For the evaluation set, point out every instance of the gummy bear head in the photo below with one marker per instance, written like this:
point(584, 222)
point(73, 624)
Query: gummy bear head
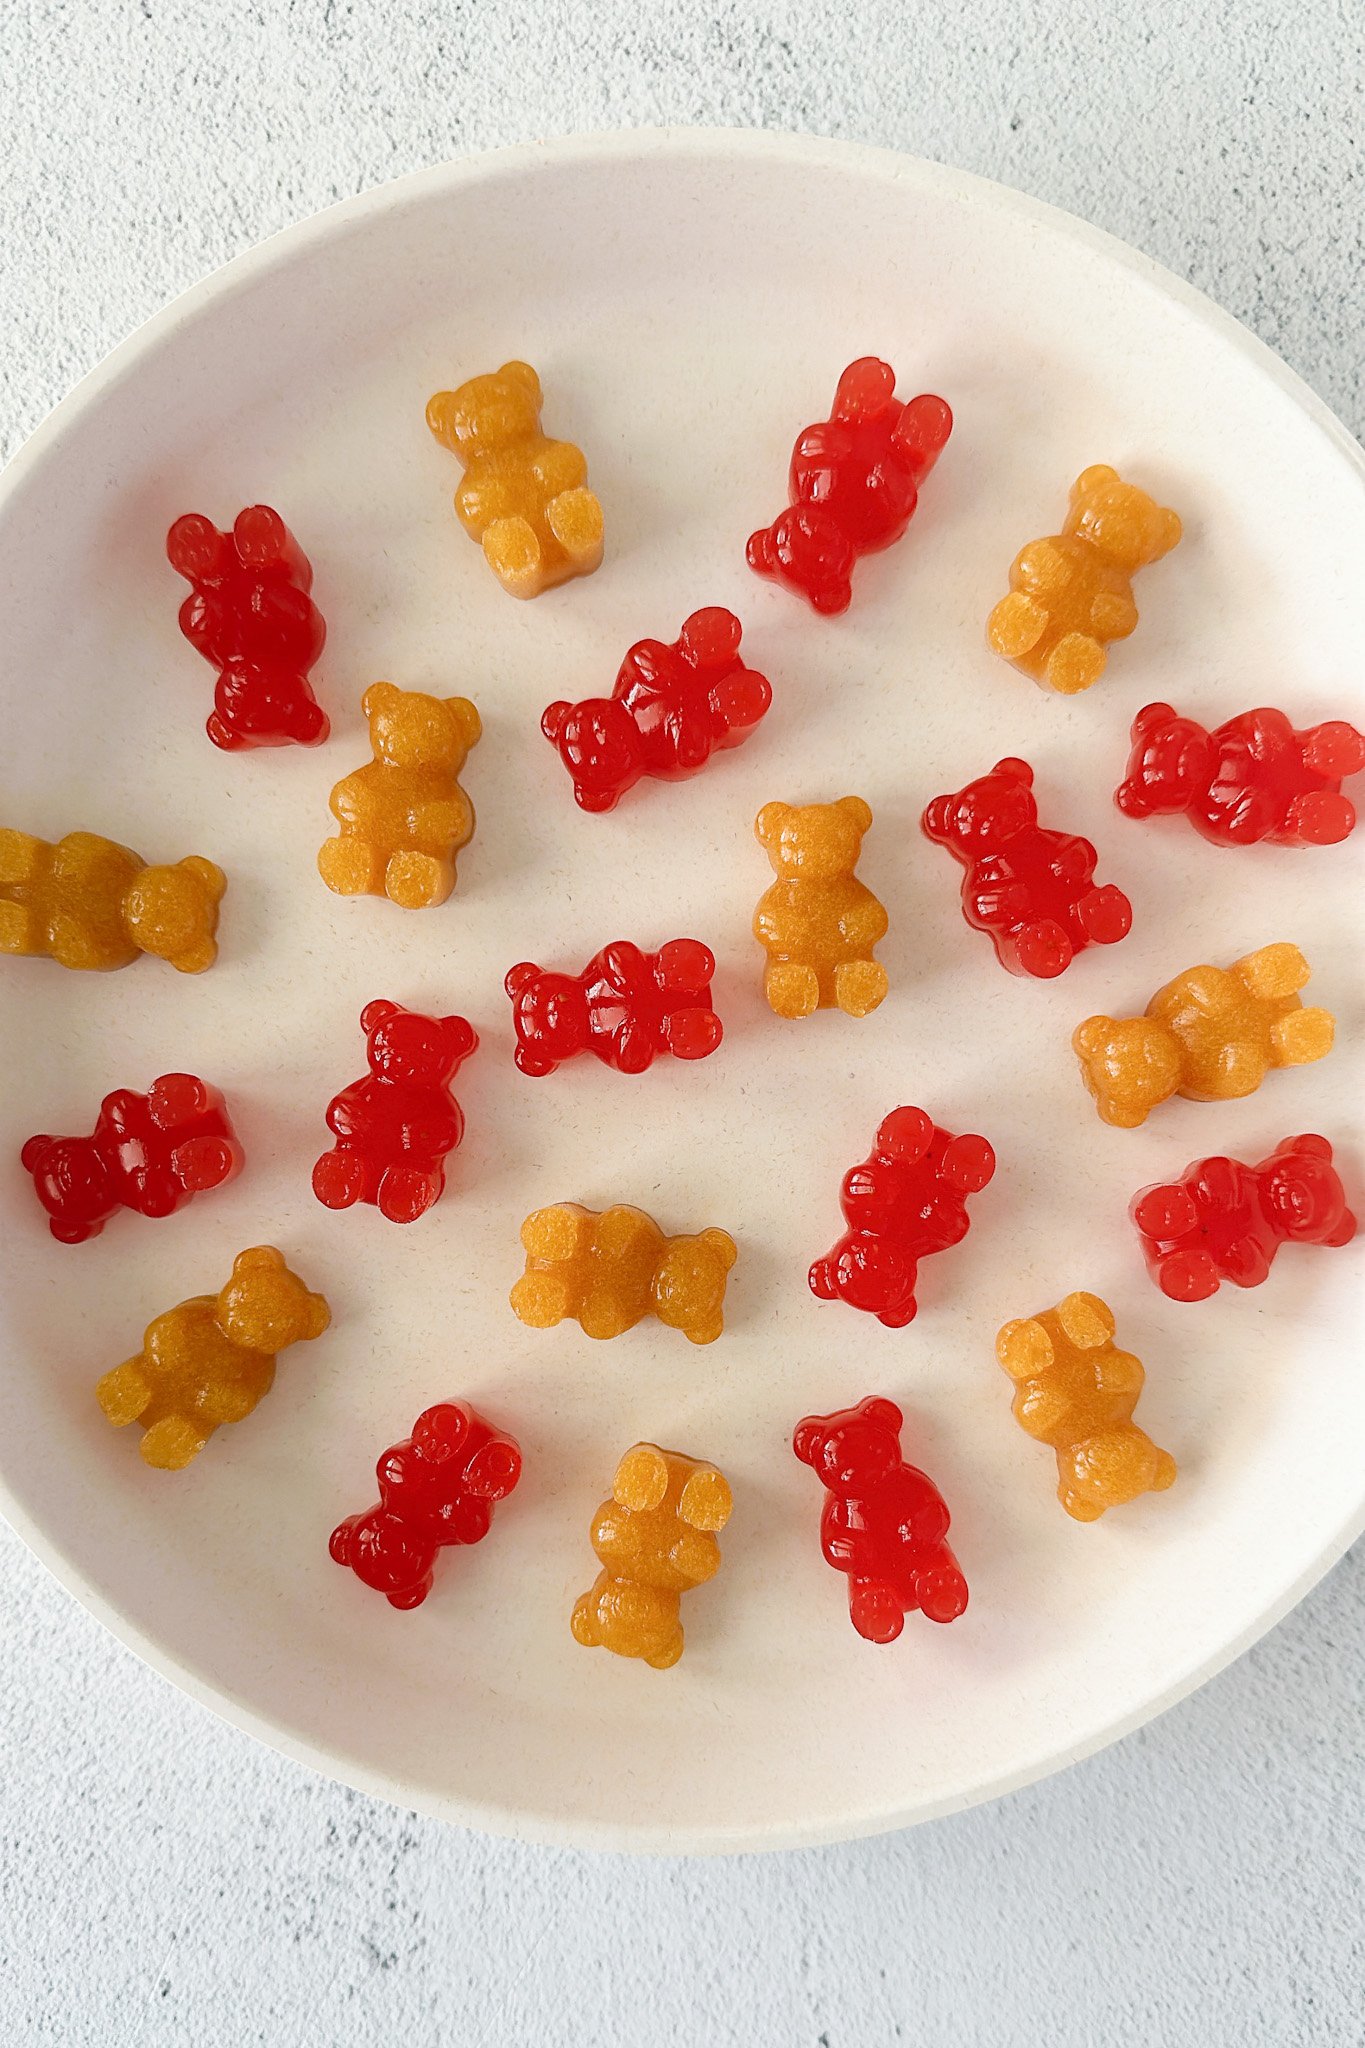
point(815, 842)
point(265, 1307)
point(599, 745)
point(1172, 762)
point(550, 1016)
point(986, 814)
point(689, 1284)
point(1126, 526)
point(71, 1181)
point(408, 729)
point(487, 413)
point(406, 1046)
point(1303, 1190)
point(1129, 1064)
point(853, 1450)
point(173, 912)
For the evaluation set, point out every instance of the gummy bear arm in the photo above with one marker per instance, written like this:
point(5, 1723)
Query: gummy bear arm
point(120, 1109)
point(1041, 569)
point(350, 1113)
point(865, 920)
point(483, 499)
point(826, 441)
point(623, 966)
point(560, 466)
point(349, 801)
point(445, 820)
point(1075, 861)
point(1042, 1410)
point(173, 1340)
point(230, 1398)
point(1120, 1372)
point(695, 1555)
point(1112, 615)
point(635, 1046)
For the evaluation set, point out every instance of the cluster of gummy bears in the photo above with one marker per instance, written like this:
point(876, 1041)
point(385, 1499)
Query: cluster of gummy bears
point(1210, 1035)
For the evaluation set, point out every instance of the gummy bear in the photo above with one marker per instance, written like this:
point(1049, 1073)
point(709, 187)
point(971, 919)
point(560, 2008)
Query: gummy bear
point(1210, 1035)
point(524, 498)
point(1255, 777)
point(404, 816)
point(1076, 1391)
point(655, 1539)
point(628, 1007)
point(1032, 890)
point(853, 485)
point(251, 616)
point(817, 922)
point(672, 707)
point(212, 1359)
point(908, 1199)
point(89, 903)
point(395, 1126)
point(1072, 593)
point(437, 1489)
point(608, 1271)
point(150, 1153)
point(1225, 1221)
point(884, 1523)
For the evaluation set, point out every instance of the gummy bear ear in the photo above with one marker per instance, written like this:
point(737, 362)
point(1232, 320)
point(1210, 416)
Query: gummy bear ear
point(521, 373)
point(319, 1315)
point(1092, 479)
point(769, 822)
point(807, 1438)
point(460, 1036)
point(721, 1246)
point(376, 1013)
point(936, 822)
point(1015, 769)
point(553, 720)
point(261, 1257)
point(905, 1134)
point(213, 878)
point(1149, 718)
point(520, 977)
point(854, 807)
point(1169, 530)
point(1087, 1040)
point(467, 720)
point(885, 1414)
point(378, 698)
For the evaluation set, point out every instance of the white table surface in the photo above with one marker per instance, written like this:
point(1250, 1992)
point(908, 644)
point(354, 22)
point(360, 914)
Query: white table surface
point(163, 1879)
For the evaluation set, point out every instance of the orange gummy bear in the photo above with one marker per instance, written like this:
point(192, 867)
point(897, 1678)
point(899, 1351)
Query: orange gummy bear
point(404, 816)
point(655, 1539)
point(524, 497)
point(610, 1270)
point(1212, 1034)
point(1076, 1391)
point(212, 1359)
point(1072, 593)
point(817, 923)
point(87, 902)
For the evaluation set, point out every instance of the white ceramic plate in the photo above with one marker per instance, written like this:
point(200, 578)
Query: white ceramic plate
point(689, 300)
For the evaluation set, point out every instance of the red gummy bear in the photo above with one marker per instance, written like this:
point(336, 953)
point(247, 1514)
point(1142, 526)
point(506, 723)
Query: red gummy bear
point(1031, 889)
point(395, 1126)
point(151, 1153)
point(250, 614)
point(1225, 1221)
point(1254, 777)
point(884, 1523)
point(626, 1006)
point(671, 708)
point(907, 1200)
point(436, 1489)
point(853, 485)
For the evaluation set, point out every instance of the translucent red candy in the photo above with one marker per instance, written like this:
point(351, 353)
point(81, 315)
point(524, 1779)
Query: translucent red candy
point(1255, 777)
point(671, 708)
point(884, 1523)
point(437, 1488)
point(150, 1153)
point(853, 485)
point(251, 616)
point(1033, 891)
point(396, 1124)
point(909, 1198)
point(1225, 1221)
point(627, 1007)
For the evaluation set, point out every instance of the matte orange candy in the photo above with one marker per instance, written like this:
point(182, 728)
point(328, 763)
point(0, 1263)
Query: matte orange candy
point(212, 1359)
point(1075, 1390)
point(404, 816)
point(655, 1539)
point(1072, 593)
point(89, 903)
point(609, 1271)
point(524, 497)
point(817, 922)
point(1212, 1034)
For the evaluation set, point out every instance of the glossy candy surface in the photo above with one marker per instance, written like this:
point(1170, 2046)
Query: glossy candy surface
point(1076, 1391)
point(884, 1523)
point(250, 615)
point(608, 1271)
point(627, 1007)
point(404, 816)
point(92, 904)
point(1223, 1220)
point(212, 1359)
point(437, 1489)
point(1255, 777)
point(1072, 593)
point(524, 498)
point(655, 1538)
point(150, 1153)
point(906, 1200)
point(817, 923)
point(852, 486)
point(1032, 890)
point(673, 706)
point(1210, 1035)
point(395, 1126)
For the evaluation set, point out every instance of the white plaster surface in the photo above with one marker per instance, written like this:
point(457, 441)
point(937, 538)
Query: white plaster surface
point(164, 1880)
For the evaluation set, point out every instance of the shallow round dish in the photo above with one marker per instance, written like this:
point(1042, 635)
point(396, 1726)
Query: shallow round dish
point(689, 300)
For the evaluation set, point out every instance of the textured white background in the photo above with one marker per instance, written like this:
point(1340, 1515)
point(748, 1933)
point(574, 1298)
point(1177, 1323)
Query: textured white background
point(164, 1880)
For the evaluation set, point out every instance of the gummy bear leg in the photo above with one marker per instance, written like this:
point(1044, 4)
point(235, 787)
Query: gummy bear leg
point(1272, 971)
point(1163, 1472)
point(706, 1500)
point(1335, 749)
point(1321, 818)
point(1165, 1211)
point(859, 986)
point(124, 1392)
point(1302, 1036)
point(541, 1300)
point(1074, 664)
point(641, 1478)
point(1080, 1506)
point(1105, 915)
point(1187, 1276)
point(405, 1194)
point(352, 867)
point(1016, 625)
point(1042, 949)
point(171, 1443)
point(874, 1610)
point(942, 1593)
point(792, 990)
point(417, 881)
point(223, 736)
point(339, 1180)
point(575, 520)
point(20, 857)
point(584, 1622)
point(559, 1233)
point(513, 553)
point(664, 1659)
point(310, 726)
point(19, 930)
